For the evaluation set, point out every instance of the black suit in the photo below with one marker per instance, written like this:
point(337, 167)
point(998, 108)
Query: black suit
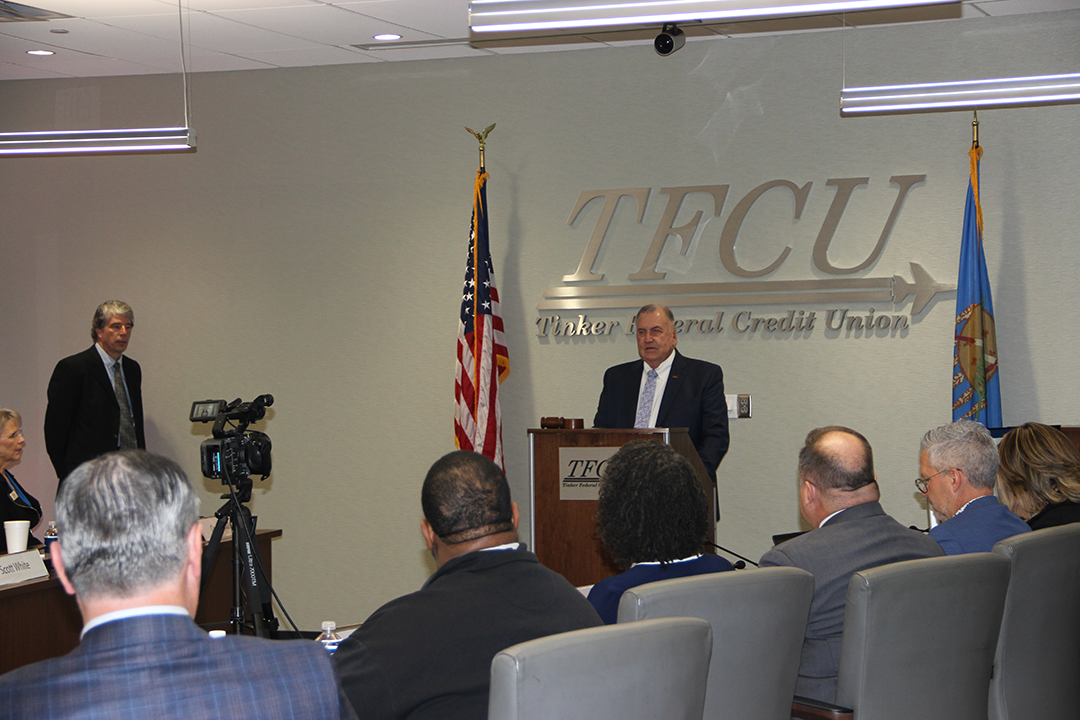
point(693, 398)
point(428, 654)
point(82, 420)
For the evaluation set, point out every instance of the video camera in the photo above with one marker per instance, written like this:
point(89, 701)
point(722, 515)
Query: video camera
point(234, 453)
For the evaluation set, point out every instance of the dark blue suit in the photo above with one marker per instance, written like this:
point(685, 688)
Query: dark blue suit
point(165, 668)
point(605, 595)
point(983, 523)
point(82, 419)
point(693, 399)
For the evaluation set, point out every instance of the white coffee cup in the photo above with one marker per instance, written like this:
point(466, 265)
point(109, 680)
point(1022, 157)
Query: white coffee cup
point(17, 533)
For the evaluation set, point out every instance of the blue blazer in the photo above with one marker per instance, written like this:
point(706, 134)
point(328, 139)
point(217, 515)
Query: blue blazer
point(693, 398)
point(983, 523)
point(164, 667)
point(606, 594)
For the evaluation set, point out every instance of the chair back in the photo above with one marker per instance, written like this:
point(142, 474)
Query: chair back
point(758, 619)
point(919, 638)
point(1037, 664)
point(649, 670)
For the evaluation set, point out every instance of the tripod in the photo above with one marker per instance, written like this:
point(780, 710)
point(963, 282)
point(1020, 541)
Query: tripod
point(247, 564)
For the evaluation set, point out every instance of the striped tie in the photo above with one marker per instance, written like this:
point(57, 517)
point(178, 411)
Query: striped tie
point(127, 424)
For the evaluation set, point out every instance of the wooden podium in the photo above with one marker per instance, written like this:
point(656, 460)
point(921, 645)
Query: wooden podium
point(564, 530)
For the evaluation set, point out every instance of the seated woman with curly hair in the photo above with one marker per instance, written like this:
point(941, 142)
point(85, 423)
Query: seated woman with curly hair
point(1039, 475)
point(654, 520)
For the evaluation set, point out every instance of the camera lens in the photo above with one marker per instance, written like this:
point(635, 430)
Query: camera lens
point(664, 44)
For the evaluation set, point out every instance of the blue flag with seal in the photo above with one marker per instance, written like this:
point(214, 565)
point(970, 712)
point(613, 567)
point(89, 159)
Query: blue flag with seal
point(976, 393)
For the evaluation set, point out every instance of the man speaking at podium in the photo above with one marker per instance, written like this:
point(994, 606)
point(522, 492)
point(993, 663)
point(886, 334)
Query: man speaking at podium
point(667, 390)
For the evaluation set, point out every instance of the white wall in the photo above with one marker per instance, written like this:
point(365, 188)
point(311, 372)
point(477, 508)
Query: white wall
point(314, 248)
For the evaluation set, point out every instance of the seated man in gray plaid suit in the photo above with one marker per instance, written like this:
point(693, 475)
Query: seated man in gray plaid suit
point(130, 551)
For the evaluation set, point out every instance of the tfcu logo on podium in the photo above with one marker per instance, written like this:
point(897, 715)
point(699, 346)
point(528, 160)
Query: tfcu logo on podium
point(579, 471)
point(564, 308)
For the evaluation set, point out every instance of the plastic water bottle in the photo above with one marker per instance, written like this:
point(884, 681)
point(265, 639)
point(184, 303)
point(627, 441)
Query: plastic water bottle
point(329, 637)
point(51, 536)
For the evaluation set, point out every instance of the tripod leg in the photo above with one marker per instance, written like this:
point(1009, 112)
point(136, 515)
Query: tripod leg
point(255, 580)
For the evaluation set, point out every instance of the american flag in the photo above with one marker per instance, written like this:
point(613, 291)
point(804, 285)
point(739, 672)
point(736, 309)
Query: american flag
point(482, 360)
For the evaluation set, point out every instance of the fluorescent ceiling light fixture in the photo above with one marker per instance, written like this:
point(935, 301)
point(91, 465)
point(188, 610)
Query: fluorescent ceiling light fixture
point(77, 142)
point(964, 95)
point(517, 15)
point(386, 37)
point(42, 53)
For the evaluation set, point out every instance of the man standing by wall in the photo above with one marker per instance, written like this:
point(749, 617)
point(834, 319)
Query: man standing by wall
point(958, 465)
point(666, 389)
point(95, 397)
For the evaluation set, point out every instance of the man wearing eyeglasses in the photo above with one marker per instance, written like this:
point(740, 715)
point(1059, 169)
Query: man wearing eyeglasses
point(958, 465)
point(95, 397)
point(838, 498)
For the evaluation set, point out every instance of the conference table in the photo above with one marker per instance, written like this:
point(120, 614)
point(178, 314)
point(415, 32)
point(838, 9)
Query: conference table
point(38, 620)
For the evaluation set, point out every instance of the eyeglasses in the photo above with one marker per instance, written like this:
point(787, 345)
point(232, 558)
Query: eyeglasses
point(17, 433)
point(921, 482)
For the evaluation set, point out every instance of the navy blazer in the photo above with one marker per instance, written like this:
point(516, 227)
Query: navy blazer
point(164, 667)
point(693, 399)
point(82, 420)
point(983, 523)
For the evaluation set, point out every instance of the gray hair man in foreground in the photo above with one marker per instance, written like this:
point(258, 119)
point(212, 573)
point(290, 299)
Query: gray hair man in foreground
point(130, 551)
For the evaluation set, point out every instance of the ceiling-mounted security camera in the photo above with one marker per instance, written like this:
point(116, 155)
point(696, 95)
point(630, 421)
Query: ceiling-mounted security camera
point(670, 39)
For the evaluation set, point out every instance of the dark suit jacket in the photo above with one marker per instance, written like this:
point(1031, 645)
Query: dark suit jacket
point(17, 509)
point(983, 523)
point(1055, 515)
point(164, 667)
point(82, 420)
point(859, 538)
point(693, 398)
point(428, 654)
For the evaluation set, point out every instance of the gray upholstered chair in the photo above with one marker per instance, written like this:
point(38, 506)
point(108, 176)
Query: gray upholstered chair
point(652, 669)
point(919, 639)
point(1037, 665)
point(758, 620)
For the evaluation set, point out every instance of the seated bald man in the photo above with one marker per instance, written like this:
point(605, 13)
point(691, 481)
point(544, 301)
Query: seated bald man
point(838, 498)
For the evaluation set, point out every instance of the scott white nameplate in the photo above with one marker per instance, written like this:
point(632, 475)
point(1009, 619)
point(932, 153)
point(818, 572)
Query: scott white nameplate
point(21, 567)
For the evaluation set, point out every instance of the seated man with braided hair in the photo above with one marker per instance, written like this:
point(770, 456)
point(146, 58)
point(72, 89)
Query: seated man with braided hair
point(428, 654)
point(654, 520)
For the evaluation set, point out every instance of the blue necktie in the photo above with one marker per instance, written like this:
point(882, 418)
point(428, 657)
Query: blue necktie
point(644, 410)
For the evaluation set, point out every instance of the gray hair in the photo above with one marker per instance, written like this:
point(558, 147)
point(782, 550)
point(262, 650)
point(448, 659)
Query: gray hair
point(10, 415)
point(662, 309)
point(123, 520)
point(964, 445)
point(105, 312)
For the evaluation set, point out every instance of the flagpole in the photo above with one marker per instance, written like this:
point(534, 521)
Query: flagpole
point(974, 136)
point(481, 137)
point(483, 361)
